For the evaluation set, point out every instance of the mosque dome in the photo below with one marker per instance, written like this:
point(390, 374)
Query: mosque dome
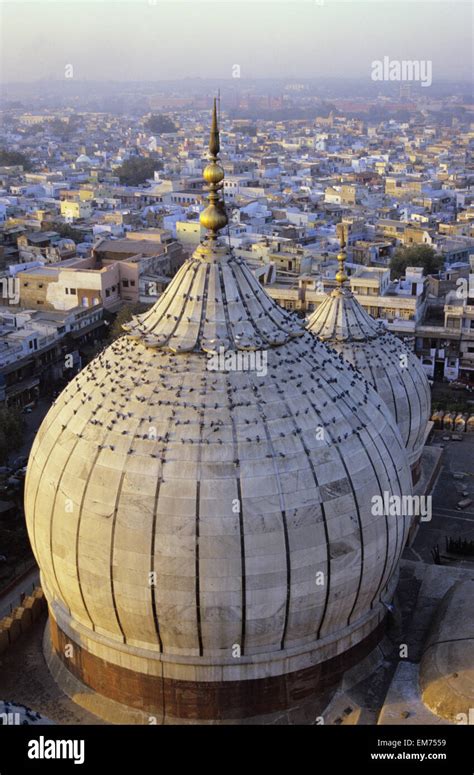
point(199, 501)
point(381, 357)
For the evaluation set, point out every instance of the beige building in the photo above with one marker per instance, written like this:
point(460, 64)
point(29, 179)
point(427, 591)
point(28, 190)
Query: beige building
point(189, 233)
point(77, 283)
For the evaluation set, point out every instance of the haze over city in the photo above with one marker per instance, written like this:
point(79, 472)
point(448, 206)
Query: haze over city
point(159, 39)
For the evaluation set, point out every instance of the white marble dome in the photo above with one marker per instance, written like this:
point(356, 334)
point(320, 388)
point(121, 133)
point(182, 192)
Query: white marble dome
point(382, 358)
point(204, 523)
point(217, 481)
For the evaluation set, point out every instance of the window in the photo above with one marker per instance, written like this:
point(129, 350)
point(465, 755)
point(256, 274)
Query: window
point(72, 291)
point(30, 345)
point(66, 291)
point(107, 293)
point(132, 282)
point(125, 283)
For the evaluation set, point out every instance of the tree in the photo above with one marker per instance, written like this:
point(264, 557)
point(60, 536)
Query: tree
point(417, 255)
point(124, 315)
point(14, 158)
point(137, 170)
point(11, 431)
point(64, 230)
point(160, 124)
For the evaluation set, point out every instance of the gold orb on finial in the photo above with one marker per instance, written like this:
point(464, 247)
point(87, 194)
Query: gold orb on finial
point(213, 218)
point(213, 173)
point(341, 276)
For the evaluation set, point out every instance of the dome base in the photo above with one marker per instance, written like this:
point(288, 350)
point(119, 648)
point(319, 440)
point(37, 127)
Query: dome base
point(122, 696)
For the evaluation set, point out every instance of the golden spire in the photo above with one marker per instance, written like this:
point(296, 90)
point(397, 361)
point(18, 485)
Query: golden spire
point(341, 276)
point(214, 216)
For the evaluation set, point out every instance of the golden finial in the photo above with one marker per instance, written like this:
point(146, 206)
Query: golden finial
point(214, 216)
point(341, 276)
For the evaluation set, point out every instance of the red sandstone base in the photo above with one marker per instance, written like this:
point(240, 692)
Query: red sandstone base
point(176, 701)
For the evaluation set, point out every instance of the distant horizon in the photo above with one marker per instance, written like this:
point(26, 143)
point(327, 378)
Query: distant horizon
point(158, 40)
point(241, 82)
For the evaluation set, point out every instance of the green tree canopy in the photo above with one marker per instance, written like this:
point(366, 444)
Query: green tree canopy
point(13, 158)
point(416, 255)
point(160, 124)
point(124, 315)
point(11, 431)
point(64, 229)
point(137, 170)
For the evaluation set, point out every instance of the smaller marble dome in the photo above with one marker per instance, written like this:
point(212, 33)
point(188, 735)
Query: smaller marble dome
point(381, 357)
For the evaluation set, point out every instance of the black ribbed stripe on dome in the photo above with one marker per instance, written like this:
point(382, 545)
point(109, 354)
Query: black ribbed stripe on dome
point(283, 519)
point(86, 484)
point(198, 584)
point(54, 415)
point(39, 478)
point(394, 403)
point(242, 560)
point(373, 380)
point(341, 315)
point(387, 531)
point(368, 326)
point(114, 518)
point(241, 524)
point(239, 487)
point(422, 429)
point(51, 522)
point(153, 539)
point(203, 307)
point(152, 565)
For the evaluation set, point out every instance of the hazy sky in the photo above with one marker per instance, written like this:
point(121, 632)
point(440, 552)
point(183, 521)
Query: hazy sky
point(160, 39)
